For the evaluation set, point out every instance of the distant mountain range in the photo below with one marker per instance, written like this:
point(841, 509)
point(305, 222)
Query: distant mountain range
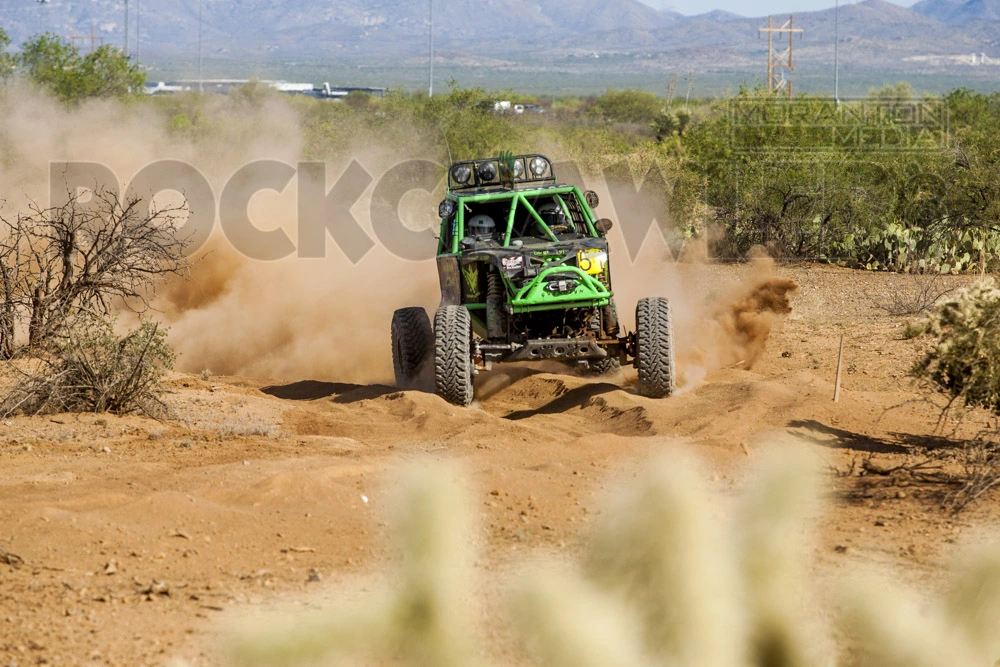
point(522, 34)
point(959, 12)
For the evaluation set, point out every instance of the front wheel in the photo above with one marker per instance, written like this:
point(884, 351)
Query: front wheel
point(453, 355)
point(412, 342)
point(654, 347)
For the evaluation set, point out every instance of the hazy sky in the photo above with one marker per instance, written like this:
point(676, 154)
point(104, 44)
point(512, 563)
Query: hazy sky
point(753, 7)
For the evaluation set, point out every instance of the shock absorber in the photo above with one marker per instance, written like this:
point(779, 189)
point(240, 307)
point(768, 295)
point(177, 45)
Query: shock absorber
point(495, 293)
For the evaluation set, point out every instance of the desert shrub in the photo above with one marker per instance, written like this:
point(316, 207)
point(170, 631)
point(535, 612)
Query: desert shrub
point(627, 106)
point(89, 368)
point(963, 363)
point(7, 61)
point(912, 294)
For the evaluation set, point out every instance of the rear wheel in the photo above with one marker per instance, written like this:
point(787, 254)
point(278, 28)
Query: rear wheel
point(654, 347)
point(453, 355)
point(605, 366)
point(412, 344)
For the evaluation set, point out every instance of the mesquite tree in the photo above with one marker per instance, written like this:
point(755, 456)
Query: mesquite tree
point(92, 258)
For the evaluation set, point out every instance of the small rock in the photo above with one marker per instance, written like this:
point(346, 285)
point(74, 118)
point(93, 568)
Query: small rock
point(111, 567)
point(880, 523)
point(106, 450)
point(901, 494)
point(786, 354)
point(840, 549)
point(314, 577)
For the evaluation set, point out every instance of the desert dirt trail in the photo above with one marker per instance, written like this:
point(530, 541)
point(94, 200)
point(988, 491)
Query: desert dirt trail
point(128, 540)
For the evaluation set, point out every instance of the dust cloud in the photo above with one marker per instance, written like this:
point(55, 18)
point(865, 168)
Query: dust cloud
point(328, 319)
point(294, 318)
point(722, 316)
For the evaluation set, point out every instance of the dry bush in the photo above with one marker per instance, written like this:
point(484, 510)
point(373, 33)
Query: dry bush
point(912, 293)
point(82, 258)
point(88, 368)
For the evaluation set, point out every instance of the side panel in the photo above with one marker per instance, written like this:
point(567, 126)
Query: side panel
point(450, 277)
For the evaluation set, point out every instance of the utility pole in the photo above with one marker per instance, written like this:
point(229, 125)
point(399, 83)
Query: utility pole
point(137, 40)
point(779, 61)
point(836, 53)
point(41, 16)
point(430, 57)
point(201, 78)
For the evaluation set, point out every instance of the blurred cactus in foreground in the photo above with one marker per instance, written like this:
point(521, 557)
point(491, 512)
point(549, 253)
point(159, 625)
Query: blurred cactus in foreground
point(673, 576)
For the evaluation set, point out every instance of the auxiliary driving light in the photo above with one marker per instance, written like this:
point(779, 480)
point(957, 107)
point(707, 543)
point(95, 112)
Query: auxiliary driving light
point(538, 167)
point(518, 169)
point(487, 171)
point(461, 174)
point(446, 208)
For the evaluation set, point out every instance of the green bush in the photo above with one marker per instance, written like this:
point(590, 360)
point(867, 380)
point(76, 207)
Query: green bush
point(58, 66)
point(627, 106)
point(964, 361)
point(7, 61)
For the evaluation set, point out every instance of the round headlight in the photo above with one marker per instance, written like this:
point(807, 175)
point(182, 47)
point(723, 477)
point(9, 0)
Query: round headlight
point(518, 169)
point(461, 174)
point(538, 167)
point(487, 171)
point(446, 209)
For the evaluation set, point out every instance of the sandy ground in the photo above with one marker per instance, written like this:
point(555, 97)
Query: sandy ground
point(128, 541)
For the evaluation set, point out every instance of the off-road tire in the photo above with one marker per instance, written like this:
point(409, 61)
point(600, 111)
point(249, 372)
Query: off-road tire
point(453, 355)
point(654, 347)
point(605, 366)
point(412, 344)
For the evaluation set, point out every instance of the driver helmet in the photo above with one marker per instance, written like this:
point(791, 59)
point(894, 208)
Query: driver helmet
point(552, 214)
point(481, 227)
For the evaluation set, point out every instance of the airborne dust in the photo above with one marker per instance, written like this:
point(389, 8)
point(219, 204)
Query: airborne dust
point(327, 319)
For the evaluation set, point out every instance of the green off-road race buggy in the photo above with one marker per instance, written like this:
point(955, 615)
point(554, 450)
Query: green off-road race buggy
point(524, 272)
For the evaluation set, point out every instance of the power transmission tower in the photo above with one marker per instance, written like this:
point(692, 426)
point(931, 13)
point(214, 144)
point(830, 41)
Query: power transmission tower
point(94, 38)
point(778, 62)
